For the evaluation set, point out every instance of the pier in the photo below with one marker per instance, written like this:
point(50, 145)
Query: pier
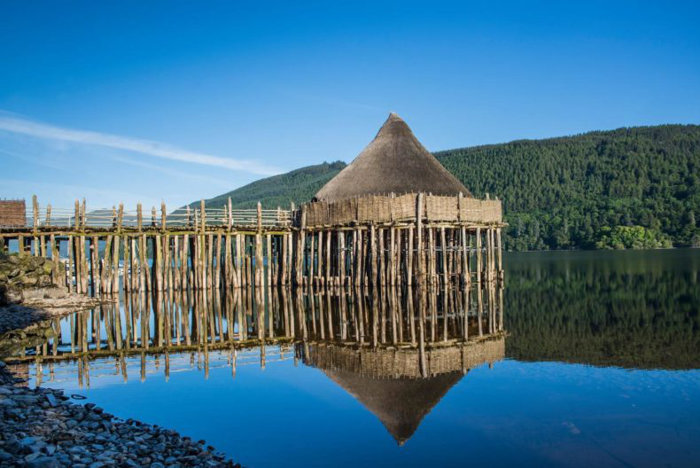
point(393, 217)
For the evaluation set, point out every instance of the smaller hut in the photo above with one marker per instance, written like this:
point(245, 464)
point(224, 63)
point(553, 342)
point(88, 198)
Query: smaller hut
point(12, 213)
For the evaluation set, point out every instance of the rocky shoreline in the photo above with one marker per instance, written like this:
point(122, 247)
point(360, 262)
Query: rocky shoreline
point(32, 289)
point(43, 427)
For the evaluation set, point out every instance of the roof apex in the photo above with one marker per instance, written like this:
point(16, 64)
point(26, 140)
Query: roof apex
point(394, 162)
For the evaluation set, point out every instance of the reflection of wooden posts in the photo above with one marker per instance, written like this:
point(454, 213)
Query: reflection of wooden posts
point(421, 332)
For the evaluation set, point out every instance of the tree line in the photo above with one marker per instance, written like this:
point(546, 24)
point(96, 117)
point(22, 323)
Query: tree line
point(626, 188)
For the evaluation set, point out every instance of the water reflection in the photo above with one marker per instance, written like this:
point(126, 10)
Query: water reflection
point(340, 362)
point(627, 309)
point(397, 352)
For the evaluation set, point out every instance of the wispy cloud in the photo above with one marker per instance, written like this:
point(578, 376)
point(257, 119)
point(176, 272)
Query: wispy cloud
point(173, 172)
point(13, 124)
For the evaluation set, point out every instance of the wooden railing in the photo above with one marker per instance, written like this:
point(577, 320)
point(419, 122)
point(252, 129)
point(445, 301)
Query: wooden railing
point(81, 217)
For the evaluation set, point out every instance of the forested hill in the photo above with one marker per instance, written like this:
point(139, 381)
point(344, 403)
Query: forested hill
point(297, 186)
point(583, 190)
point(631, 187)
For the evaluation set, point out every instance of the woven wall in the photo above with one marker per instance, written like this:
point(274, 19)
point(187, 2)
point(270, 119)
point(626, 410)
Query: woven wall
point(383, 209)
point(12, 213)
point(391, 363)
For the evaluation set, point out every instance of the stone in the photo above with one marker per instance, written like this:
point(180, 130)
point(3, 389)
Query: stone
point(51, 399)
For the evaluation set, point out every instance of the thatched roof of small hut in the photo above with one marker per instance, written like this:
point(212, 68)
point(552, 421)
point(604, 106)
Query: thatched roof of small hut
point(399, 403)
point(394, 162)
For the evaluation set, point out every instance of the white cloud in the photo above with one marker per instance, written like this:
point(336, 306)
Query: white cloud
point(17, 125)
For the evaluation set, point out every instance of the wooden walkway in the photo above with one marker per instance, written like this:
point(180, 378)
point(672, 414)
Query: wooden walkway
point(374, 241)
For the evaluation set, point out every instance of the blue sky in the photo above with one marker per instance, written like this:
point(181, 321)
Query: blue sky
point(143, 101)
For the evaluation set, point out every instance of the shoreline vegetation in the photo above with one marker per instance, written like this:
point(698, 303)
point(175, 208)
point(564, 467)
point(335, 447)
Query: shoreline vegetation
point(42, 427)
point(635, 187)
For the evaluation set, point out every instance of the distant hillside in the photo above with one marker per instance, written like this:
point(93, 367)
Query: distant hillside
point(630, 187)
point(297, 186)
point(587, 190)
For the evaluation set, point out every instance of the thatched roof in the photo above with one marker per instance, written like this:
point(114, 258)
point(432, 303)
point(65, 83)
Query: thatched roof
point(394, 162)
point(399, 403)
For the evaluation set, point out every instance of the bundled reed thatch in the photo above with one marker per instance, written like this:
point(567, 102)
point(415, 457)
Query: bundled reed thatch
point(394, 162)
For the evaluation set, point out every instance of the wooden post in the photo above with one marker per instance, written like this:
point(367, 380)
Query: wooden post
point(55, 256)
point(373, 248)
point(327, 276)
point(319, 258)
point(115, 267)
point(311, 258)
point(76, 215)
point(393, 241)
point(444, 257)
point(94, 270)
point(203, 216)
point(357, 255)
point(419, 238)
point(163, 217)
point(143, 266)
point(239, 259)
point(466, 277)
point(228, 270)
point(133, 273)
point(409, 258)
point(382, 260)
point(35, 212)
point(268, 247)
point(478, 257)
point(341, 258)
point(285, 262)
point(431, 257)
point(259, 249)
point(499, 251)
point(69, 268)
point(217, 271)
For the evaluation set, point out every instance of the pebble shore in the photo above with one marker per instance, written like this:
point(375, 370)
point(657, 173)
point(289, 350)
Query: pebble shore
point(42, 427)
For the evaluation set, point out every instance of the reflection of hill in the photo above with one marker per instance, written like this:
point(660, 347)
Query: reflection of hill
point(637, 310)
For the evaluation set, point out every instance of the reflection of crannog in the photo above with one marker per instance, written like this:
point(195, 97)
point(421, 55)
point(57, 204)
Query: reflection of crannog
point(397, 350)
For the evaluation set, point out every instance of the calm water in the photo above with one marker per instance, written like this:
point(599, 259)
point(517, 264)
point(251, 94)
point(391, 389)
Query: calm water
point(599, 367)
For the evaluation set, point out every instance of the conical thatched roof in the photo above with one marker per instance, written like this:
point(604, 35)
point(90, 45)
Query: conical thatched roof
point(399, 403)
point(394, 162)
